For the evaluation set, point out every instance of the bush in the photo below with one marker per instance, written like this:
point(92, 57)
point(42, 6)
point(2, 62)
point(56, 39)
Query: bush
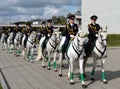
point(113, 40)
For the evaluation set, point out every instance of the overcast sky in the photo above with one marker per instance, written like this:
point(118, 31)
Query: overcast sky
point(20, 10)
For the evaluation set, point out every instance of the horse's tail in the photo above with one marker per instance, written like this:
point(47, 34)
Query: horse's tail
point(39, 56)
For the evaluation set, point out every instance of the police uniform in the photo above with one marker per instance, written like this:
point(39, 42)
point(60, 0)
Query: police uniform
point(28, 31)
point(93, 29)
point(48, 31)
point(71, 30)
point(43, 29)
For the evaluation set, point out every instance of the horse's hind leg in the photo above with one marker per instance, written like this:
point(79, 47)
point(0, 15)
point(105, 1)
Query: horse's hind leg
point(103, 71)
point(54, 62)
point(49, 60)
point(60, 65)
point(93, 69)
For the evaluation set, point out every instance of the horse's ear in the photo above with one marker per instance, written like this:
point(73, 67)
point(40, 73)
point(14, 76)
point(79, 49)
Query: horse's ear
point(106, 28)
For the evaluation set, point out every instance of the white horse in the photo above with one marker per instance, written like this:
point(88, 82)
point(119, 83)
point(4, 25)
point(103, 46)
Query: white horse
point(3, 41)
point(99, 52)
point(50, 48)
point(17, 43)
point(74, 52)
point(30, 46)
point(9, 42)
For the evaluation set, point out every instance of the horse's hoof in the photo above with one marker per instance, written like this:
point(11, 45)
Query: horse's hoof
point(43, 66)
point(32, 61)
point(85, 75)
point(63, 66)
point(49, 68)
point(72, 83)
point(60, 75)
point(105, 82)
point(92, 79)
point(84, 86)
point(55, 70)
point(68, 78)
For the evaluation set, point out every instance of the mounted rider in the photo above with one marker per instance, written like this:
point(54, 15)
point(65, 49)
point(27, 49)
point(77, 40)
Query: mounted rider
point(42, 30)
point(47, 31)
point(28, 30)
point(69, 33)
point(93, 29)
point(15, 31)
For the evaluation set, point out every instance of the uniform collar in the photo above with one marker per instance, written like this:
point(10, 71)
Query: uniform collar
point(93, 23)
point(71, 24)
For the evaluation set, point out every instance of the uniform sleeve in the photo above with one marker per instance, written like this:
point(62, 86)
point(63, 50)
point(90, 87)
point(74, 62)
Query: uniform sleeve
point(98, 27)
point(76, 29)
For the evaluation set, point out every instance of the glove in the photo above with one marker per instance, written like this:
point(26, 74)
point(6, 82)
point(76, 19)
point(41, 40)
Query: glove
point(72, 36)
point(48, 35)
point(96, 35)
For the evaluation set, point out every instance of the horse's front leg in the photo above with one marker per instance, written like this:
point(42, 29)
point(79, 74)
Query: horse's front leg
point(18, 50)
point(31, 54)
point(71, 72)
point(81, 66)
point(27, 53)
point(43, 60)
point(60, 65)
point(54, 62)
point(103, 71)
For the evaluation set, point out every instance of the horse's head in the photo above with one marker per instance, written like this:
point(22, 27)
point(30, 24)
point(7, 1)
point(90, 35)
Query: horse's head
point(33, 36)
point(103, 36)
point(57, 36)
point(11, 35)
point(80, 38)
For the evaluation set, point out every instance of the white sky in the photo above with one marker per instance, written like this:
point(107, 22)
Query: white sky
point(108, 12)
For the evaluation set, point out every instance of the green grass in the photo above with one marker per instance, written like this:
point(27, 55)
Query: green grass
point(113, 40)
point(1, 86)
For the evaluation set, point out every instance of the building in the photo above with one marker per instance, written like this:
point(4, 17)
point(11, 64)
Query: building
point(107, 11)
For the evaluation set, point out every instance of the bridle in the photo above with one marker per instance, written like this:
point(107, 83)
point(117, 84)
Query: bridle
point(54, 41)
point(105, 47)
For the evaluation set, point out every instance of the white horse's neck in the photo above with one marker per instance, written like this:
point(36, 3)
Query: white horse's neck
point(78, 47)
point(99, 44)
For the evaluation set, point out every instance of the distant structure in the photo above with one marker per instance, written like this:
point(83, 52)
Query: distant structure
point(78, 18)
point(107, 11)
point(37, 21)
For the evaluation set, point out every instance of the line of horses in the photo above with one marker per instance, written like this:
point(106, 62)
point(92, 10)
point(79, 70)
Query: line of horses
point(75, 51)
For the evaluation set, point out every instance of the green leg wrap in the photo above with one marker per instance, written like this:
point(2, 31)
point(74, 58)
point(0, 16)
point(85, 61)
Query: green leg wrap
point(103, 75)
point(93, 71)
point(31, 57)
point(18, 52)
point(49, 64)
point(82, 77)
point(71, 76)
point(54, 65)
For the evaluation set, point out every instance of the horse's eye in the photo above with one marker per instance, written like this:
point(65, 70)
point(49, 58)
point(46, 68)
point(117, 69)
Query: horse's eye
point(101, 35)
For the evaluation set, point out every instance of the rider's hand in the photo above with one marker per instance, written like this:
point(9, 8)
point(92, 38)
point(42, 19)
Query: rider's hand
point(72, 37)
point(48, 35)
point(96, 35)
